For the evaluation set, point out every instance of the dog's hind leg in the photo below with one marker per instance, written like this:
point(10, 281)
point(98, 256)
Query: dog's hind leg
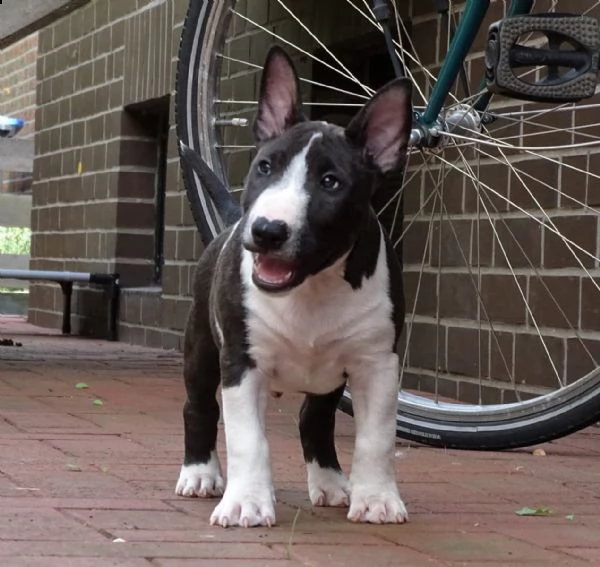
point(201, 472)
point(327, 485)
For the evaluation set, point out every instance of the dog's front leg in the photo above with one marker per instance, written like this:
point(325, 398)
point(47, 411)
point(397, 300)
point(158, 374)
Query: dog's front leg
point(249, 498)
point(374, 494)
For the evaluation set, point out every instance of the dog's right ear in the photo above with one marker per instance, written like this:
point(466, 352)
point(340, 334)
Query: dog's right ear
point(279, 105)
point(382, 127)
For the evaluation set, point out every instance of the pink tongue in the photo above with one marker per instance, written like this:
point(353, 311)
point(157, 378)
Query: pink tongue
point(272, 270)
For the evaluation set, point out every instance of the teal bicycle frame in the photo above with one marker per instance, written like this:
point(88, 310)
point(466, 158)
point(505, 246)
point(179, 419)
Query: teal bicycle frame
point(470, 22)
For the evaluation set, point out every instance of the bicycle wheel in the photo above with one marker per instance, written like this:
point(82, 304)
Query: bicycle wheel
point(496, 223)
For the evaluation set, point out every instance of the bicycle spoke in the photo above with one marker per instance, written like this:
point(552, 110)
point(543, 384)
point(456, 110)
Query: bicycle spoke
point(522, 293)
point(368, 90)
point(568, 243)
point(302, 80)
point(408, 330)
point(350, 77)
point(476, 289)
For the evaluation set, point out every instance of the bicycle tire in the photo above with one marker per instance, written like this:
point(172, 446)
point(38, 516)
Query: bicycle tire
point(546, 420)
point(504, 427)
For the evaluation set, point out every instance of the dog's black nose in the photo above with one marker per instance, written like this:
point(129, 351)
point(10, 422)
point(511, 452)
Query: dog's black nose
point(269, 234)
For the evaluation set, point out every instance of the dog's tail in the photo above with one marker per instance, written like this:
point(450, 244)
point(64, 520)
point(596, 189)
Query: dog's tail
point(228, 208)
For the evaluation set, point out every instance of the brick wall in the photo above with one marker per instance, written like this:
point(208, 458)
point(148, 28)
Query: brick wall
point(17, 98)
point(105, 76)
point(543, 266)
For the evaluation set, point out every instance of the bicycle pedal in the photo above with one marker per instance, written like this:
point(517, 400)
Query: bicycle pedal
point(563, 69)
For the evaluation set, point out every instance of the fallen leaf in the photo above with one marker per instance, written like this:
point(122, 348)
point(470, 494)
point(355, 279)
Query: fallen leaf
point(118, 540)
point(527, 511)
point(73, 467)
point(539, 453)
point(81, 385)
point(104, 468)
point(570, 517)
point(98, 402)
point(79, 168)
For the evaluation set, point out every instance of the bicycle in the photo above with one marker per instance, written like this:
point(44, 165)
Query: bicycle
point(495, 216)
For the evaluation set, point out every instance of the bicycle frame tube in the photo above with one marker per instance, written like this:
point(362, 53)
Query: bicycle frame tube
point(466, 31)
point(475, 11)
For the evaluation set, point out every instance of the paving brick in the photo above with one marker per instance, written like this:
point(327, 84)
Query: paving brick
point(87, 503)
point(223, 563)
point(123, 550)
point(27, 451)
point(570, 535)
point(276, 535)
point(77, 562)
point(461, 504)
point(591, 555)
point(355, 555)
point(66, 484)
point(136, 519)
point(479, 547)
point(33, 524)
point(40, 422)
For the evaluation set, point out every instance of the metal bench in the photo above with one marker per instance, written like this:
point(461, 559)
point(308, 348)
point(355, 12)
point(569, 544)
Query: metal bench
point(66, 280)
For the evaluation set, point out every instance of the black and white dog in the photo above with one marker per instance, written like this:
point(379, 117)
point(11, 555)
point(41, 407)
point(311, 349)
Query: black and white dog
point(302, 294)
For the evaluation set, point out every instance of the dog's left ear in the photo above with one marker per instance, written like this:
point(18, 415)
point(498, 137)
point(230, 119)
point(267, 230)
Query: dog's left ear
point(279, 105)
point(382, 127)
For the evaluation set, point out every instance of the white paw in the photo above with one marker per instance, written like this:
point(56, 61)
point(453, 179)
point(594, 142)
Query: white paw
point(327, 487)
point(246, 507)
point(377, 505)
point(203, 480)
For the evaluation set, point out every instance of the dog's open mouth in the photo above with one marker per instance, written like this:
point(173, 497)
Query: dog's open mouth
point(272, 272)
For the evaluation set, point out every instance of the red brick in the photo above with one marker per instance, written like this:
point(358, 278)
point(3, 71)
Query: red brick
point(77, 562)
point(591, 555)
point(579, 230)
point(88, 503)
point(533, 366)
point(224, 563)
point(355, 555)
point(35, 524)
point(554, 301)
point(136, 520)
point(480, 548)
point(572, 534)
point(502, 298)
point(146, 549)
point(537, 186)
point(518, 243)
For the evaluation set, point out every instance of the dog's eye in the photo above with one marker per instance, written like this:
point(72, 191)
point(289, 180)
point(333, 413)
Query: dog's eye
point(330, 182)
point(264, 167)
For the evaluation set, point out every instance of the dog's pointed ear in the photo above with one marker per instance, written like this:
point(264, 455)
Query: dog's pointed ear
point(382, 127)
point(279, 105)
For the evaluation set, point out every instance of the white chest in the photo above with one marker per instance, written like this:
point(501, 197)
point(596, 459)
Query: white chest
point(308, 339)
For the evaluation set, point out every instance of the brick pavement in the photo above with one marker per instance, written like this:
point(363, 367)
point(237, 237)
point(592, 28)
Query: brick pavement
point(75, 477)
